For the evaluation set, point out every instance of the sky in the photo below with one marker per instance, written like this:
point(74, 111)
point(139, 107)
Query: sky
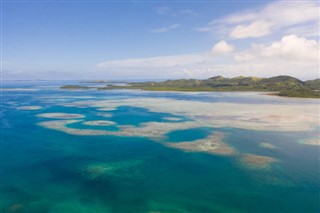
point(57, 40)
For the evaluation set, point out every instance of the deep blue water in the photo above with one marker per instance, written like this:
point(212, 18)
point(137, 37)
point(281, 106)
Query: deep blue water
point(45, 170)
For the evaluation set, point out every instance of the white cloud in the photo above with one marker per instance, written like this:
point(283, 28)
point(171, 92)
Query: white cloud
point(243, 56)
point(276, 17)
point(293, 47)
point(288, 13)
point(255, 29)
point(161, 61)
point(222, 48)
point(290, 47)
point(164, 10)
point(291, 55)
point(167, 11)
point(308, 30)
point(188, 12)
point(165, 29)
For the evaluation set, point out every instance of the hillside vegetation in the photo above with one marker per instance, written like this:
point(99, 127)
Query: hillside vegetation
point(280, 85)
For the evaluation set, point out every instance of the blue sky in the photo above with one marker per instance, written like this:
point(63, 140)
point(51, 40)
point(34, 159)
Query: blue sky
point(159, 39)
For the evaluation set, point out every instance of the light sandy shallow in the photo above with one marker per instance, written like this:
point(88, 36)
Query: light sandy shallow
point(17, 89)
point(102, 170)
point(268, 146)
point(172, 119)
point(262, 117)
point(60, 125)
point(312, 141)
point(98, 123)
point(252, 161)
point(265, 117)
point(105, 114)
point(107, 108)
point(154, 130)
point(60, 115)
point(212, 144)
point(29, 107)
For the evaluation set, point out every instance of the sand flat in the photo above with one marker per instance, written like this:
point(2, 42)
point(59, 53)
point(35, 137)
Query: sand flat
point(265, 117)
point(253, 161)
point(29, 107)
point(312, 141)
point(213, 144)
point(98, 123)
point(60, 115)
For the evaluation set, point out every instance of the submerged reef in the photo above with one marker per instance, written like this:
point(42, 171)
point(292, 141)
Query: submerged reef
point(264, 117)
point(253, 161)
point(98, 123)
point(121, 169)
point(61, 126)
point(17, 207)
point(172, 119)
point(267, 146)
point(60, 115)
point(212, 144)
point(312, 141)
point(261, 117)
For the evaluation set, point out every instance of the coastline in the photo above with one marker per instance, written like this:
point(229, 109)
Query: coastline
point(283, 86)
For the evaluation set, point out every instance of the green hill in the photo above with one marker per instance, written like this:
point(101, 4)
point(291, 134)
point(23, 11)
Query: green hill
point(281, 85)
point(313, 84)
point(284, 85)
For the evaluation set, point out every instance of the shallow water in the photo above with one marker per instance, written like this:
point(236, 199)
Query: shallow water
point(48, 170)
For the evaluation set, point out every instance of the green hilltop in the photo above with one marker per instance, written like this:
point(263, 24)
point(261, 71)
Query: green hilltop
point(278, 85)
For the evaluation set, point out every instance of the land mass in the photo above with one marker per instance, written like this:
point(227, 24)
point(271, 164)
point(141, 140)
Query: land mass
point(279, 85)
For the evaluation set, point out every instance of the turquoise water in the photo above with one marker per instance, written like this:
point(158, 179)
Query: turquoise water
point(45, 170)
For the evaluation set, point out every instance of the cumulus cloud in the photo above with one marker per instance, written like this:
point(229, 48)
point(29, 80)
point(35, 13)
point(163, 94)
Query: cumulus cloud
point(255, 29)
point(290, 47)
point(279, 16)
point(165, 29)
point(290, 55)
point(222, 48)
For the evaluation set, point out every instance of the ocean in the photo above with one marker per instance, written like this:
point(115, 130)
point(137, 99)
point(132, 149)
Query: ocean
point(124, 151)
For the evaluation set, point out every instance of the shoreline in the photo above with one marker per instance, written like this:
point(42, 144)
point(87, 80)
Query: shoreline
point(269, 93)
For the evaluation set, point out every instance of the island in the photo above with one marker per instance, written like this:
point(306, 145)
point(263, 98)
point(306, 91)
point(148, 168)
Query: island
point(75, 87)
point(95, 81)
point(282, 85)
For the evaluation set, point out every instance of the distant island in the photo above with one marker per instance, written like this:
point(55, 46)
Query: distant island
point(279, 85)
point(95, 81)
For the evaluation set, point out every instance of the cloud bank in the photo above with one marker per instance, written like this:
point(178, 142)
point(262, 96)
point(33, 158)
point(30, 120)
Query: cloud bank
point(282, 17)
point(291, 55)
point(165, 29)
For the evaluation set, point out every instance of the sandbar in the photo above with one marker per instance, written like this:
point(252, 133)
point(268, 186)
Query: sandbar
point(312, 141)
point(60, 115)
point(107, 108)
point(60, 125)
point(172, 119)
point(98, 123)
point(267, 146)
point(18, 89)
point(29, 107)
point(264, 117)
point(213, 144)
point(253, 161)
